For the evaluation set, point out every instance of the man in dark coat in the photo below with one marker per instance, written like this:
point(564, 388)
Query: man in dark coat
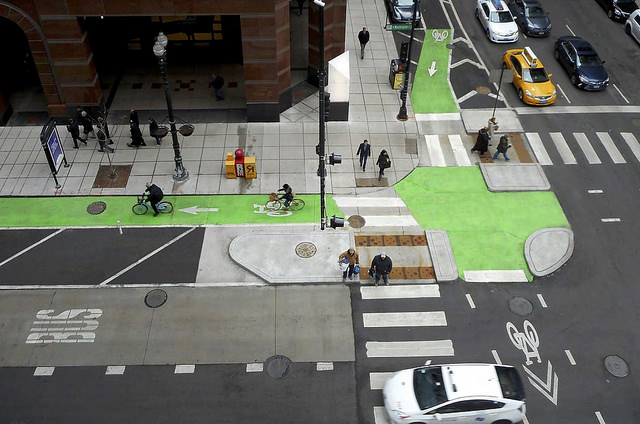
point(217, 82)
point(74, 130)
point(383, 163)
point(364, 150)
point(102, 124)
point(87, 125)
point(382, 266)
point(153, 130)
point(155, 196)
point(102, 140)
point(363, 37)
point(482, 141)
point(136, 137)
point(502, 147)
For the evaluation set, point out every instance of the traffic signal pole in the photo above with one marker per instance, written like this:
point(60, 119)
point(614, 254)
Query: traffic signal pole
point(320, 149)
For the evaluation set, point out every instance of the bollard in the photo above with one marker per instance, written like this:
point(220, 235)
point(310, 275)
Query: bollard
point(119, 227)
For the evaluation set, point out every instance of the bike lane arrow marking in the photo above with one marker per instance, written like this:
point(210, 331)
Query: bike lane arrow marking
point(549, 392)
point(433, 69)
point(193, 210)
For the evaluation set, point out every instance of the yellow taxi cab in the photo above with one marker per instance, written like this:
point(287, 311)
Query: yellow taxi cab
point(530, 79)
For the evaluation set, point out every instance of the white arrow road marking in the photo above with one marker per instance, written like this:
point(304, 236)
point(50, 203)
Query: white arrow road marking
point(545, 388)
point(433, 69)
point(193, 210)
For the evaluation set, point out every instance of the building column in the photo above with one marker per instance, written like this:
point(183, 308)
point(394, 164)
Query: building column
point(335, 18)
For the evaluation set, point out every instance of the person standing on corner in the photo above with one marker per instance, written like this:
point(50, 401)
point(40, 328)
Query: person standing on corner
point(133, 118)
point(352, 256)
point(102, 140)
point(382, 266)
point(363, 37)
point(217, 82)
point(482, 141)
point(383, 162)
point(153, 130)
point(87, 126)
point(364, 150)
point(74, 130)
point(102, 124)
point(502, 147)
point(136, 137)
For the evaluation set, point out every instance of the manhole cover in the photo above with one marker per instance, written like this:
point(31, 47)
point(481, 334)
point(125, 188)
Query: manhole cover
point(96, 208)
point(356, 221)
point(483, 90)
point(520, 306)
point(306, 249)
point(616, 366)
point(155, 298)
point(278, 366)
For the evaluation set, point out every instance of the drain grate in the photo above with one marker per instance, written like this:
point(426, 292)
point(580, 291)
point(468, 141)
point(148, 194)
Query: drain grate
point(278, 366)
point(96, 208)
point(356, 221)
point(155, 298)
point(616, 366)
point(306, 249)
point(520, 306)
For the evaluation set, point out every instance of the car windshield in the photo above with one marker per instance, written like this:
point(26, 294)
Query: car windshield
point(404, 2)
point(534, 75)
point(429, 387)
point(501, 17)
point(535, 12)
point(589, 60)
point(625, 1)
point(510, 383)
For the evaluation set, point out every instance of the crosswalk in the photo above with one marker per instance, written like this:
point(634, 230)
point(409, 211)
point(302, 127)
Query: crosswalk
point(393, 302)
point(552, 148)
point(377, 211)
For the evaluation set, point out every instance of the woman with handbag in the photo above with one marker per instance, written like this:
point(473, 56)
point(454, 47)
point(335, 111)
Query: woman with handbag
point(383, 162)
point(348, 261)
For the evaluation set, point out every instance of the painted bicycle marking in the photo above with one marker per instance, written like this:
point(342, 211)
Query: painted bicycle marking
point(527, 340)
point(70, 326)
point(439, 36)
point(270, 212)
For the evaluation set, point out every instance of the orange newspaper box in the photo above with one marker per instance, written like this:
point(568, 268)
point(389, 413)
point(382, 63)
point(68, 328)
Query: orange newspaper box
point(230, 166)
point(250, 170)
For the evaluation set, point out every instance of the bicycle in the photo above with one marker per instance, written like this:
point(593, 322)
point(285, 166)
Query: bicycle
point(275, 203)
point(143, 205)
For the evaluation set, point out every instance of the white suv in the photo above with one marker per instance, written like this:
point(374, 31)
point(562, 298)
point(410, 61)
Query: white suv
point(497, 21)
point(460, 393)
point(632, 25)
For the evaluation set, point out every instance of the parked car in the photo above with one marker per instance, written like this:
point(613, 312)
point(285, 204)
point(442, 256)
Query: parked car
point(497, 21)
point(401, 11)
point(582, 63)
point(618, 10)
point(632, 25)
point(531, 17)
point(461, 393)
point(530, 79)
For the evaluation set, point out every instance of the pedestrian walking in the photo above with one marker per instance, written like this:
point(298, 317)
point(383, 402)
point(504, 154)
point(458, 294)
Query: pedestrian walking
point(381, 266)
point(102, 124)
point(136, 137)
point(383, 163)
point(502, 147)
point(133, 117)
point(217, 82)
point(364, 150)
point(153, 130)
point(102, 140)
point(74, 130)
point(492, 126)
point(351, 259)
point(87, 125)
point(482, 141)
point(363, 37)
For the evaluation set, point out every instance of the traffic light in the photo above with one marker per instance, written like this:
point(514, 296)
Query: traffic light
point(327, 105)
point(336, 221)
point(335, 159)
point(404, 52)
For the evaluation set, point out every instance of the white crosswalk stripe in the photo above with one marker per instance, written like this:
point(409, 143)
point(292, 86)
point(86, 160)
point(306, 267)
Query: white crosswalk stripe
point(563, 149)
point(404, 319)
point(375, 210)
point(587, 149)
point(538, 148)
point(410, 349)
point(459, 151)
point(633, 144)
point(611, 148)
point(435, 150)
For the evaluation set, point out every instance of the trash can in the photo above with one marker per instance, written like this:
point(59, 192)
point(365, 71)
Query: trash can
point(396, 74)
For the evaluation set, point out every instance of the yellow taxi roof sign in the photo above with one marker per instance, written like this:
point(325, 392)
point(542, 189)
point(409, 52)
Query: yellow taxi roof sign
point(530, 57)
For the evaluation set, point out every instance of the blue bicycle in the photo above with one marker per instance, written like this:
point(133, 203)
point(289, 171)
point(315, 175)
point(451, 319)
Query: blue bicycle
point(143, 205)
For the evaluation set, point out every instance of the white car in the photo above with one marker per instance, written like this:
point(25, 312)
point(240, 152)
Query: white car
point(497, 21)
point(632, 25)
point(459, 393)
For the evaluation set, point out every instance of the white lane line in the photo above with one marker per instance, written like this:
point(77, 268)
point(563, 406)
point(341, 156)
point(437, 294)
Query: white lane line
point(588, 151)
point(377, 379)
point(353, 201)
point(496, 357)
point(570, 356)
point(495, 276)
point(563, 93)
point(595, 191)
point(599, 417)
point(144, 258)
point(538, 148)
point(400, 292)
point(463, 61)
point(25, 250)
point(254, 367)
point(470, 300)
point(115, 370)
point(577, 109)
point(611, 148)
point(570, 30)
point(184, 369)
point(409, 349)
point(435, 150)
point(541, 300)
point(633, 144)
point(404, 319)
point(380, 415)
point(610, 219)
point(467, 96)
point(459, 151)
point(563, 148)
point(324, 366)
point(43, 371)
point(620, 92)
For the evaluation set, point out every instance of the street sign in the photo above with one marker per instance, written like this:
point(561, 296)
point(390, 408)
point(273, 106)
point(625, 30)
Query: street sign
point(398, 27)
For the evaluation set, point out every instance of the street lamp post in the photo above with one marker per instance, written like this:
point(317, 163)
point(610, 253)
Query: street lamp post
point(321, 130)
point(180, 174)
point(402, 114)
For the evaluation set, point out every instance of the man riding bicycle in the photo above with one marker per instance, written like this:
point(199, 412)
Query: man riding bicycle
point(287, 195)
point(155, 196)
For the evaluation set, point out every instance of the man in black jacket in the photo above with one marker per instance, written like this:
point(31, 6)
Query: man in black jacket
point(363, 37)
point(382, 266)
point(155, 196)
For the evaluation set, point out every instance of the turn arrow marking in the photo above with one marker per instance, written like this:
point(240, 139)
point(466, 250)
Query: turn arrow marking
point(433, 69)
point(193, 210)
point(549, 392)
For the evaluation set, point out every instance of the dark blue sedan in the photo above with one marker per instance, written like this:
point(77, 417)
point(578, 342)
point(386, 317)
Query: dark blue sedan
point(581, 62)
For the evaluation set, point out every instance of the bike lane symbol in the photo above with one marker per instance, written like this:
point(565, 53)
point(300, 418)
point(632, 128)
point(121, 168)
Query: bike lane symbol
point(528, 342)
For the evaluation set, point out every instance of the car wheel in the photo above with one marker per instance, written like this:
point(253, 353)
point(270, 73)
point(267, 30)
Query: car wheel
point(556, 54)
point(520, 94)
point(488, 34)
point(477, 15)
point(574, 79)
point(610, 13)
point(627, 29)
point(502, 422)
